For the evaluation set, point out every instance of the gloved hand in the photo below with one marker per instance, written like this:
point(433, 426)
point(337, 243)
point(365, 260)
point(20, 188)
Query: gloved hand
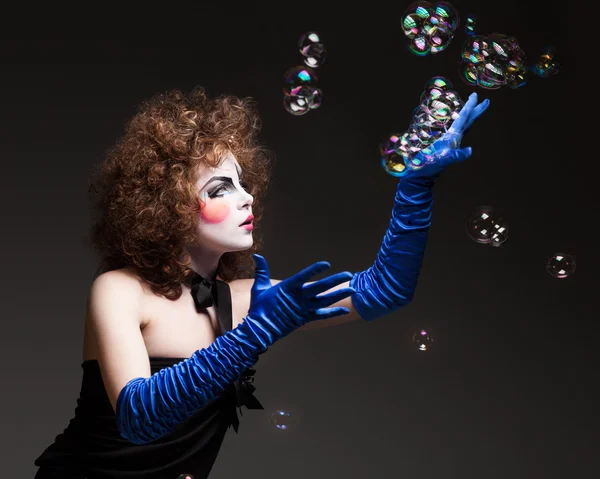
point(391, 281)
point(276, 311)
point(149, 408)
point(446, 149)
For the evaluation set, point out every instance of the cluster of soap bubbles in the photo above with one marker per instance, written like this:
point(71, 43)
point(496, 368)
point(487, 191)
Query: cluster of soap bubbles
point(439, 107)
point(300, 91)
point(493, 61)
point(490, 61)
point(429, 27)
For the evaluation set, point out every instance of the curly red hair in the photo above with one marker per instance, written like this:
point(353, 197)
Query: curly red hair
point(146, 202)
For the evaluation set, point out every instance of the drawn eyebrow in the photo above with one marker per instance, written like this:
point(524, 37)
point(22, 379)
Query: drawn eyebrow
point(218, 178)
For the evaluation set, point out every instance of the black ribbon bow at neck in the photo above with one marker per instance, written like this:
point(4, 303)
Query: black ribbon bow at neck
point(203, 291)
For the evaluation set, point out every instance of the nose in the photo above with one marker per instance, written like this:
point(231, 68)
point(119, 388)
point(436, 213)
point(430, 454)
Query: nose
point(247, 200)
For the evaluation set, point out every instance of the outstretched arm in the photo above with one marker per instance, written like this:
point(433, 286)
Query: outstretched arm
point(390, 283)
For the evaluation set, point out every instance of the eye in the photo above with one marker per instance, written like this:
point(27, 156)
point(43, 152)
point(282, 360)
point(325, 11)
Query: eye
point(244, 185)
point(217, 191)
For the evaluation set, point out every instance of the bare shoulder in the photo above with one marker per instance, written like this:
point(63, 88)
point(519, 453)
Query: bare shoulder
point(114, 322)
point(118, 289)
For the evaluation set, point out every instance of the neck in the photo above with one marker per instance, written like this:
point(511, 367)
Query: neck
point(204, 262)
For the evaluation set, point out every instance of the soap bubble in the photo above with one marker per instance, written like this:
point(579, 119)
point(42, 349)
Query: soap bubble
point(499, 233)
point(440, 110)
point(429, 27)
point(296, 105)
point(470, 25)
point(423, 340)
point(394, 154)
point(561, 265)
point(297, 78)
point(493, 61)
point(312, 49)
point(300, 91)
point(435, 87)
point(282, 420)
point(546, 64)
point(316, 97)
point(486, 227)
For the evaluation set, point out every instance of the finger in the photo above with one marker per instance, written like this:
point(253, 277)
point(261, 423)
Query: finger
point(261, 275)
point(326, 313)
point(331, 298)
point(300, 278)
point(477, 112)
point(325, 284)
point(459, 124)
point(462, 154)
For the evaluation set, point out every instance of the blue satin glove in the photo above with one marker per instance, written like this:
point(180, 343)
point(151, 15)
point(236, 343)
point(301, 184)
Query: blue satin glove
point(390, 282)
point(276, 311)
point(149, 408)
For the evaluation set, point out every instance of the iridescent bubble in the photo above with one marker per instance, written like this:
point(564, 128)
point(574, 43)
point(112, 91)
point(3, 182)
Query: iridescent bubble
point(315, 98)
point(429, 27)
point(298, 77)
point(435, 87)
point(415, 17)
point(561, 265)
point(499, 233)
point(439, 37)
point(546, 64)
point(282, 420)
point(185, 476)
point(423, 339)
point(444, 11)
point(493, 61)
point(296, 105)
point(441, 110)
point(300, 91)
point(426, 133)
point(394, 153)
point(468, 72)
point(470, 25)
point(312, 49)
point(486, 227)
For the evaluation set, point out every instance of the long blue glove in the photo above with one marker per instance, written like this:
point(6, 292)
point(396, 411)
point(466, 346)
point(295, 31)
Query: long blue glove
point(149, 408)
point(390, 282)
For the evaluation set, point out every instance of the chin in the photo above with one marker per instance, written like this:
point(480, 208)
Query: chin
point(242, 246)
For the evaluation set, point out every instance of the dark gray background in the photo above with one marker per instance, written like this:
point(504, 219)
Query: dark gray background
point(506, 390)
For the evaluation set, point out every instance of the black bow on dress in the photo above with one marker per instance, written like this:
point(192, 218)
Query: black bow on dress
point(203, 291)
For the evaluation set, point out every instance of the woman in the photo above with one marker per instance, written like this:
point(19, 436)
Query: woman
point(173, 323)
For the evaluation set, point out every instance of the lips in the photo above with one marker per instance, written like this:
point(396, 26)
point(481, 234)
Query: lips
point(248, 220)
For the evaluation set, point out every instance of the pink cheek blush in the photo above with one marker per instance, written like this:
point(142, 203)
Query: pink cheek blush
point(214, 212)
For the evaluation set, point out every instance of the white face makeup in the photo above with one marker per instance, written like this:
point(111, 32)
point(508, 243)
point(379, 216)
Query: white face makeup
point(225, 205)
